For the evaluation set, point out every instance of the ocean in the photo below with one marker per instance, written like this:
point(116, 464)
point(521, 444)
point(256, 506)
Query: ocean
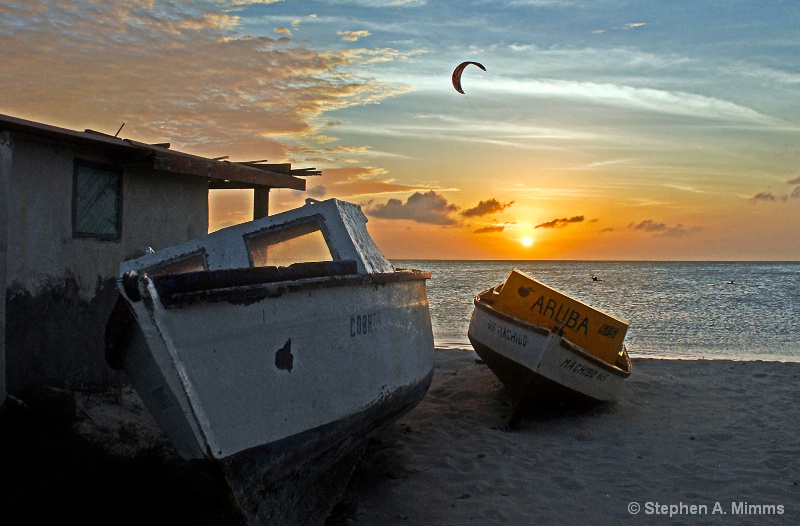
point(688, 310)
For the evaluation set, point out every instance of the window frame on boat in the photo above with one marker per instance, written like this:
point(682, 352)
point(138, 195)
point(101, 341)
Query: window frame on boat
point(259, 242)
point(196, 261)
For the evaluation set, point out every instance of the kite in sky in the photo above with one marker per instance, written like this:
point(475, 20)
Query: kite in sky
point(457, 74)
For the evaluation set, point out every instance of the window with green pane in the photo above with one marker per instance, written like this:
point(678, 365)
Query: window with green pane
point(96, 201)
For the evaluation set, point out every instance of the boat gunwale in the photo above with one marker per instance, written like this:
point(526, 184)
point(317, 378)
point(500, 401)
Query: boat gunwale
point(565, 343)
point(247, 293)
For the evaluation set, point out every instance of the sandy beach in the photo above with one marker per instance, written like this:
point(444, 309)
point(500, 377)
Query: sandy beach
point(707, 442)
point(689, 438)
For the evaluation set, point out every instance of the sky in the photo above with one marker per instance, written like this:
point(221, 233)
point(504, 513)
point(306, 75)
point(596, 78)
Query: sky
point(599, 130)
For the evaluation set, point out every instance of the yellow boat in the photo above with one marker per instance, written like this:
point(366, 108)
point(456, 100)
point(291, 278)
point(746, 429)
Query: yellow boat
point(548, 349)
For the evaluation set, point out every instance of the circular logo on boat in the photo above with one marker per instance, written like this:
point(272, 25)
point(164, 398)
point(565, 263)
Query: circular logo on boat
point(524, 291)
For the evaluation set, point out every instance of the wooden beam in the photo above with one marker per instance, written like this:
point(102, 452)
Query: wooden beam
point(171, 161)
point(260, 202)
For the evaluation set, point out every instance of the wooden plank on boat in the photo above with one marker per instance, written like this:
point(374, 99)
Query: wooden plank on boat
point(528, 299)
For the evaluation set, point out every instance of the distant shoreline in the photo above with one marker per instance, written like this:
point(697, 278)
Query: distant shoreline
point(636, 358)
point(622, 261)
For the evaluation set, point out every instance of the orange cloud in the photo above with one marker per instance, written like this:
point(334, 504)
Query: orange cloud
point(763, 196)
point(352, 36)
point(358, 181)
point(489, 206)
point(663, 230)
point(649, 225)
point(183, 77)
point(489, 230)
point(559, 223)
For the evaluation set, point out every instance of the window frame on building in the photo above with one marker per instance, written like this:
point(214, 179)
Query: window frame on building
point(80, 227)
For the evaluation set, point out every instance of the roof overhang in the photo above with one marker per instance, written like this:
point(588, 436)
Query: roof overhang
point(220, 174)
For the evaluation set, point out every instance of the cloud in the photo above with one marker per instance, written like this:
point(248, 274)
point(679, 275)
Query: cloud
point(348, 182)
point(679, 231)
point(486, 207)
point(428, 207)
point(381, 3)
point(560, 223)
point(763, 196)
point(769, 197)
point(662, 101)
point(650, 226)
point(282, 31)
point(318, 191)
point(489, 229)
point(354, 181)
point(632, 25)
point(353, 36)
point(252, 2)
point(188, 75)
point(663, 230)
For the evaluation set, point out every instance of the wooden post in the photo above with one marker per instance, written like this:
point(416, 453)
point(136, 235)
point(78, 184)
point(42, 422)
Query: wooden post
point(260, 202)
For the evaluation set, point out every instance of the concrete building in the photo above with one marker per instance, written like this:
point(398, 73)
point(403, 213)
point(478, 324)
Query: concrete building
point(73, 205)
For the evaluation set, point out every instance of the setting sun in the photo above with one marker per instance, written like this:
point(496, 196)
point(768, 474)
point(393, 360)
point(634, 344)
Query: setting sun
point(527, 241)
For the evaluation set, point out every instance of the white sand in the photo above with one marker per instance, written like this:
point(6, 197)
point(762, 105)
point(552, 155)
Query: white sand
point(681, 432)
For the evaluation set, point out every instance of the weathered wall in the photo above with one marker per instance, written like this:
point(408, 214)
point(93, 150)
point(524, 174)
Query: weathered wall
point(60, 289)
point(5, 174)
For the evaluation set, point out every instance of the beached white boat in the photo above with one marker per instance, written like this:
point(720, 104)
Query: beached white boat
point(277, 371)
point(549, 350)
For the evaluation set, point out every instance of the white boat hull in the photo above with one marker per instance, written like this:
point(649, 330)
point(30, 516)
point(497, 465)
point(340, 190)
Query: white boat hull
point(274, 348)
point(539, 367)
point(280, 383)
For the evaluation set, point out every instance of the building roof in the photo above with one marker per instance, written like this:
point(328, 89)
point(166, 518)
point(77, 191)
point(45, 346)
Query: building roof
point(220, 173)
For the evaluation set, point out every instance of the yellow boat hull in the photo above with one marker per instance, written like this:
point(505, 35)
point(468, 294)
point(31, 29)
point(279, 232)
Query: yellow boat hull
point(540, 368)
point(527, 299)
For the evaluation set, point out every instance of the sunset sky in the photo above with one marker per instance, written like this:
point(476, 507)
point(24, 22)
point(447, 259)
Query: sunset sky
point(601, 129)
